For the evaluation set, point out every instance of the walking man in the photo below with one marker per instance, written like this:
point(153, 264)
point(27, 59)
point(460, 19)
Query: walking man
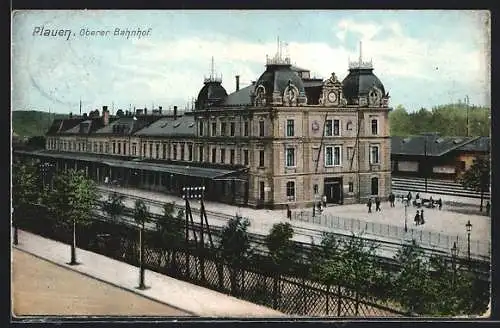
point(417, 218)
point(488, 207)
point(369, 205)
point(324, 201)
point(377, 204)
point(392, 199)
point(288, 212)
point(422, 217)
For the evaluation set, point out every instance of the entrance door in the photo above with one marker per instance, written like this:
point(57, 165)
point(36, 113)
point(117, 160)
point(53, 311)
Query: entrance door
point(333, 190)
point(261, 191)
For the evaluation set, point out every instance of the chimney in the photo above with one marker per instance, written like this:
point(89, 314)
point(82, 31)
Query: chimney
point(175, 112)
point(237, 82)
point(159, 108)
point(105, 115)
point(70, 115)
point(145, 111)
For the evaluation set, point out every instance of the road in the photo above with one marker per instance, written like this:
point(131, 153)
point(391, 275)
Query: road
point(43, 288)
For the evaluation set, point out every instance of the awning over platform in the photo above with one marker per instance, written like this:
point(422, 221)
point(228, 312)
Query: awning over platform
point(186, 170)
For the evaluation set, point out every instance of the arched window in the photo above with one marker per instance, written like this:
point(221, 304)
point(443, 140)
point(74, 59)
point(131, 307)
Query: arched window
point(290, 191)
point(375, 186)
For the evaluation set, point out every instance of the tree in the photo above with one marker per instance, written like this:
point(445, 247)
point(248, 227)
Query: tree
point(235, 246)
point(114, 206)
point(477, 177)
point(279, 242)
point(71, 202)
point(359, 270)
point(170, 233)
point(141, 215)
point(24, 192)
point(412, 282)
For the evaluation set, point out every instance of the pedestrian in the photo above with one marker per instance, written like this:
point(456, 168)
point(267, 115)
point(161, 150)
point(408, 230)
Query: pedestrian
point(369, 205)
point(422, 221)
point(440, 203)
point(431, 202)
point(393, 199)
point(324, 201)
point(377, 204)
point(409, 196)
point(417, 218)
point(488, 207)
point(288, 212)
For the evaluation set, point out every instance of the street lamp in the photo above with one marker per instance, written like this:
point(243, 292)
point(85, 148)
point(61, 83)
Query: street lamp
point(405, 200)
point(454, 253)
point(425, 162)
point(468, 227)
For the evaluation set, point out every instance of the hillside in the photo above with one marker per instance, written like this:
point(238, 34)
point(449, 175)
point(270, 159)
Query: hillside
point(32, 123)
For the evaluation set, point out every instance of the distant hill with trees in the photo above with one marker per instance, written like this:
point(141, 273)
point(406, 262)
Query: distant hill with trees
point(448, 120)
point(29, 123)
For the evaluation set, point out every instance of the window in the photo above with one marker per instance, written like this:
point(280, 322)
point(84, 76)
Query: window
point(290, 128)
point(332, 156)
point(231, 156)
point(214, 155)
point(374, 155)
point(190, 152)
point(150, 150)
point(201, 128)
point(290, 191)
point(164, 153)
point(157, 150)
point(174, 152)
point(106, 146)
point(200, 154)
point(261, 128)
point(222, 155)
point(232, 129)
point(332, 128)
point(245, 128)
point(290, 157)
point(261, 158)
point(375, 186)
point(95, 147)
point(245, 157)
point(120, 148)
point(351, 186)
point(144, 149)
point(100, 147)
point(125, 145)
point(134, 149)
point(182, 152)
point(374, 126)
point(214, 129)
point(223, 126)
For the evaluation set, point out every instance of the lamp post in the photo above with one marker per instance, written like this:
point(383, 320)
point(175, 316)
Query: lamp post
point(425, 162)
point(454, 253)
point(468, 227)
point(405, 200)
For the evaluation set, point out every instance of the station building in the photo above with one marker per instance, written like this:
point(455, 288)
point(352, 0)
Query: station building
point(285, 139)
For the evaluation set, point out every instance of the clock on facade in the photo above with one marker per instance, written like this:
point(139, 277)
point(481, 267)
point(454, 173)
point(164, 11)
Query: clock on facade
point(332, 97)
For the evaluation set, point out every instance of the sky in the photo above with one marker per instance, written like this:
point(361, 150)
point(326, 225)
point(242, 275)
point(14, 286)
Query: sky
point(423, 58)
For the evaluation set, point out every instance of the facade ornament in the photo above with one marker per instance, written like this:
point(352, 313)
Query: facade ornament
point(260, 96)
point(374, 97)
point(290, 94)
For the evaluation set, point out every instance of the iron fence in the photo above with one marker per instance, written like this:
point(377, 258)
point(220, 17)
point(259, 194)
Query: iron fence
point(479, 249)
point(254, 279)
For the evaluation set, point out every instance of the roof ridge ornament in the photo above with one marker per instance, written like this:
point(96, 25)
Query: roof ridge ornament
point(213, 76)
point(281, 57)
point(360, 64)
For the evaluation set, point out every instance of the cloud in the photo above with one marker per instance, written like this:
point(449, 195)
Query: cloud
point(144, 71)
